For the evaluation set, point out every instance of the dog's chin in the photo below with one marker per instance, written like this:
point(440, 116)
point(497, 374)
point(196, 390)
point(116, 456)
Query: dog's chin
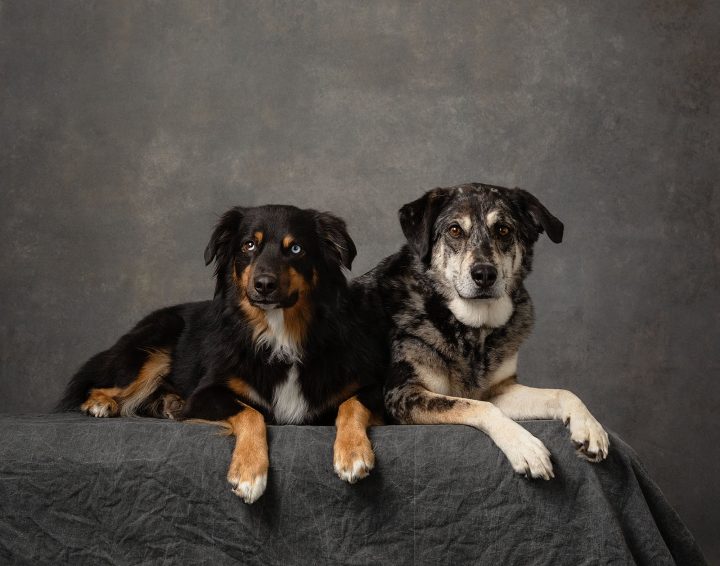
point(265, 305)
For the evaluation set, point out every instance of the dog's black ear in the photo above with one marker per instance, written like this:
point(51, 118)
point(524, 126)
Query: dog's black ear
point(223, 234)
point(541, 216)
point(337, 244)
point(418, 217)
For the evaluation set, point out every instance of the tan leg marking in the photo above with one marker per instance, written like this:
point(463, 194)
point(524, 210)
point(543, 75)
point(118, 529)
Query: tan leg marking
point(125, 401)
point(149, 378)
point(249, 464)
point(353, 454)
point(297, 318)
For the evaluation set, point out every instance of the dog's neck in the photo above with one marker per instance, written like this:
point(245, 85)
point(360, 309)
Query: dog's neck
point(282, 331)
point(491, 313)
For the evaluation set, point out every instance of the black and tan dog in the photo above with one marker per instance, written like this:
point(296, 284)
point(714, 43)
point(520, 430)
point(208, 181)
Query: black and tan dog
point(280, 342)
point(455, 313)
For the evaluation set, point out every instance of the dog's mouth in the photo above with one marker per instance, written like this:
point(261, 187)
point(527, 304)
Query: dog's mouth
point(481, 297)
point(270, 303)
point(479, 294)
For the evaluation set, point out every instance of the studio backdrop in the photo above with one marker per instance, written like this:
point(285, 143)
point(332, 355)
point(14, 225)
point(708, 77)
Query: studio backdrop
point(126, 128)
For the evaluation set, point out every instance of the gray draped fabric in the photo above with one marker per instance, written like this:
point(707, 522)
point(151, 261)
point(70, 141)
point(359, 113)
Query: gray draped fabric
point(79, 490)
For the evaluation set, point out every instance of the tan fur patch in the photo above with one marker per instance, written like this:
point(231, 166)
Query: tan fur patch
point(250, 455)
point(287, 241)
point(113, 401)
point(255, 316)
point(460, 413)
point(353, 454)
point(101, 402)
point(240, 387)
point(297, 318)
point(151, 374)
point(258, 237)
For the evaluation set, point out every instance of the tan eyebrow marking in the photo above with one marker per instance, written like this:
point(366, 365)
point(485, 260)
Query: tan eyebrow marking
point(288, 240)
point(465, 223)
point(492, 217)
point(258, 236)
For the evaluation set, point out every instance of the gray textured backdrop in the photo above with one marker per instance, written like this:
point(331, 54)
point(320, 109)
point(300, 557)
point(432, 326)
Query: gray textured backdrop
point(127, 127)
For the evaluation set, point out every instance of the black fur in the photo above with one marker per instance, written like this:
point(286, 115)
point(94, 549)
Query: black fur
point(213, 342)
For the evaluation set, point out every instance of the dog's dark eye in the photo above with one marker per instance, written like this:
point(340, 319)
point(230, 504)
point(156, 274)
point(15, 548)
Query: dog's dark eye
point(455, 231)
point(503, 231)
point(296, 249)
point(249, 246)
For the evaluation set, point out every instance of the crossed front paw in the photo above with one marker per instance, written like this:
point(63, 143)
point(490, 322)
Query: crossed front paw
point(589, 437)
point(527, 454)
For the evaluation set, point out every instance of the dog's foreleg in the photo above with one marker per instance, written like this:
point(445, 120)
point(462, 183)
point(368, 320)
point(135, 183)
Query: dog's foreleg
point(411, 403)
point(249, 465)
point(521, 402)
point(353, 454)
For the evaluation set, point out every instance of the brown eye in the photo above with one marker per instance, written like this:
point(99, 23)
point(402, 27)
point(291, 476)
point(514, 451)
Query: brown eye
point(455, 231)
point(503, 230)
point(249, 246)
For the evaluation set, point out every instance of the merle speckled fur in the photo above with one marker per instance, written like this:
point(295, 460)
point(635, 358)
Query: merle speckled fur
point(412, 293)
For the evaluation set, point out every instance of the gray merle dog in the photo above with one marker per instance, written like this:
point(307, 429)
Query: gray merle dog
point(455, 309)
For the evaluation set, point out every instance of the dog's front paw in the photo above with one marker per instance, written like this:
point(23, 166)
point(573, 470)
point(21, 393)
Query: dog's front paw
point(588, 436)
point(353, 457)
point(247, 483)
point(527, 454)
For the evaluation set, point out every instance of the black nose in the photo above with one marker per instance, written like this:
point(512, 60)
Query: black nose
point(265, 284)
point(483, 274)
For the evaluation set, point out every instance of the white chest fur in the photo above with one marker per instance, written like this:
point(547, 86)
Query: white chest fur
point(289, 403)
point(482, 312)
point(281, 343)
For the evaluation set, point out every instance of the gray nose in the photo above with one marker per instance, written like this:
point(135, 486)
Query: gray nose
point(265, 284)
point(483, 274)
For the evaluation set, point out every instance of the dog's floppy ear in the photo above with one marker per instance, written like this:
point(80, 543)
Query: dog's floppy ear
point(223, 234)
point(418, 217)
point(337, 245)
point(540, 216)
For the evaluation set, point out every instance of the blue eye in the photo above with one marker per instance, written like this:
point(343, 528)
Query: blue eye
point(296, 249)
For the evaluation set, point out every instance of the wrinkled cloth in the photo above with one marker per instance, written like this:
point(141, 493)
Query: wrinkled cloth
point(79, 490)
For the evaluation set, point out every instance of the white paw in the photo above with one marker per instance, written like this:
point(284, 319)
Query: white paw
point(355, 470)
point(588, 435)
point(249, 490)
point(353, 458)
point(527, 454)
point(99, 409)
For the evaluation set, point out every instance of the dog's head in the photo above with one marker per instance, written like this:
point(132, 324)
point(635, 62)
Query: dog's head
point(477, 239)
point(274, 257)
